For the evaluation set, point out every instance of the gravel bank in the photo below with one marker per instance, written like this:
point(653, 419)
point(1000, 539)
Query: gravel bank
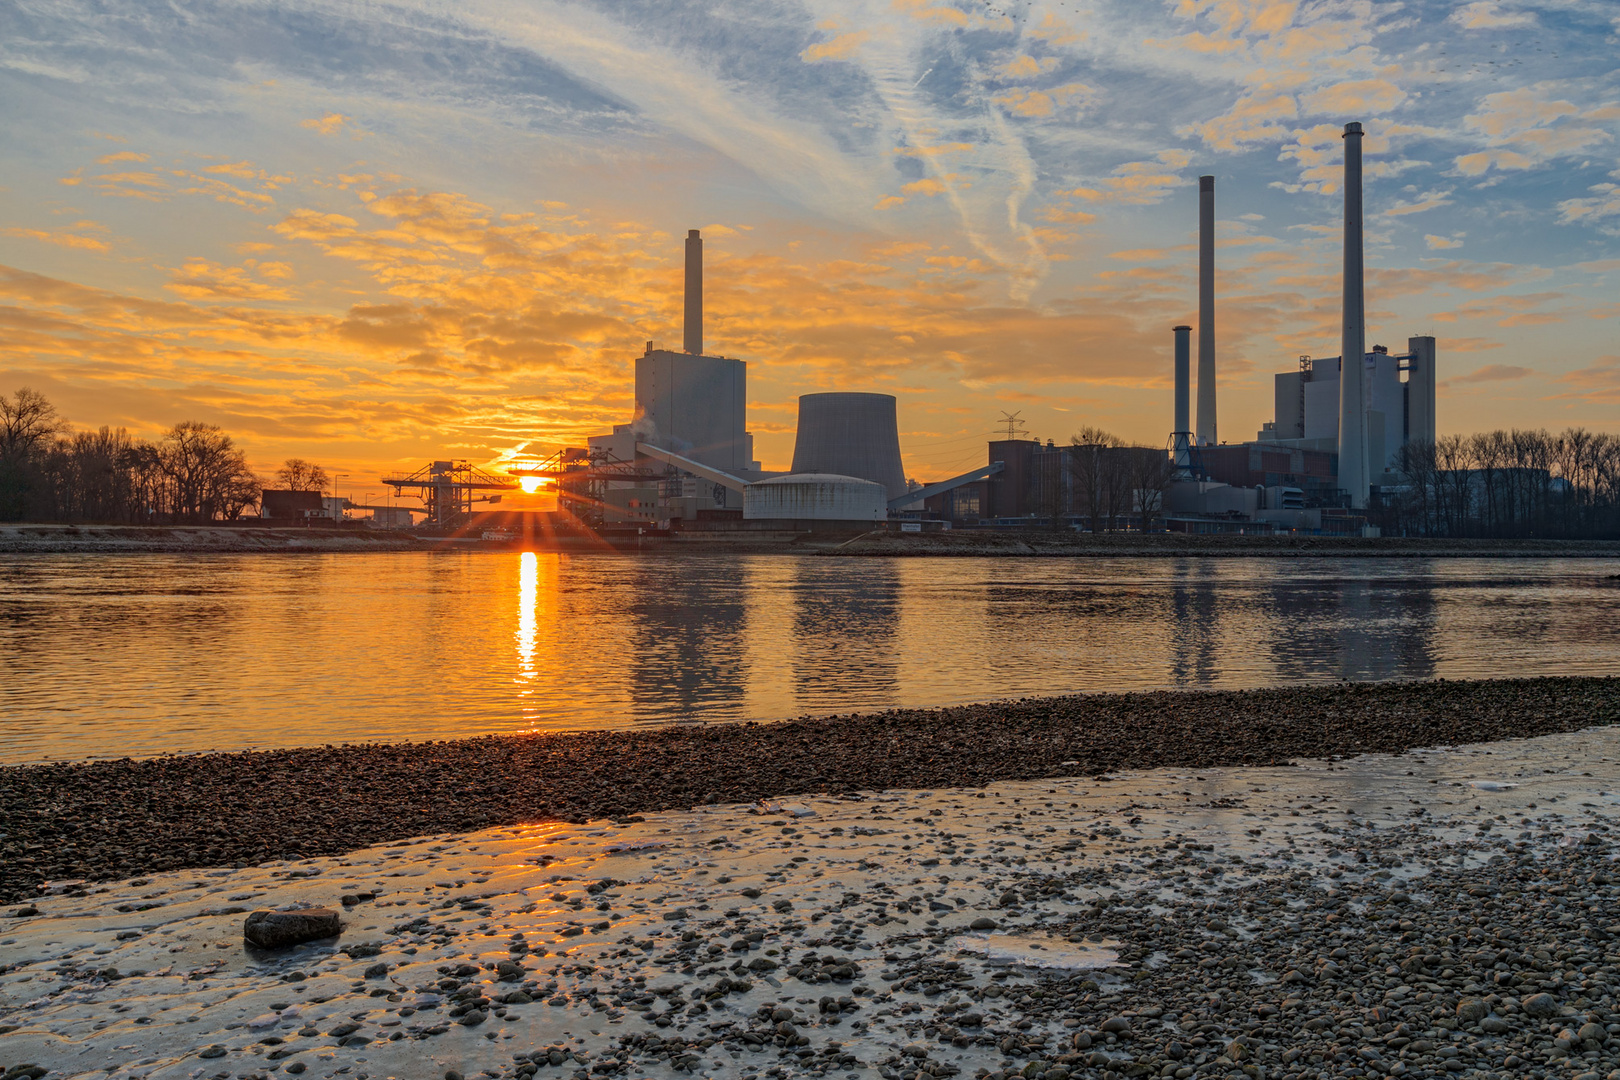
point(1423, 915)
point(112, 819)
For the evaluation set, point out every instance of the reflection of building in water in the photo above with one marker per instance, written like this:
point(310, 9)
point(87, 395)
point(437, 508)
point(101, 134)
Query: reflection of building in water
point(688, 641)
point(1353, 628)
point(1194, 607)
point(846, 637)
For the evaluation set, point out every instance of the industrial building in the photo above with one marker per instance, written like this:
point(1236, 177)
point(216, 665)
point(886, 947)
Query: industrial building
point(685, 459)
point(1288, 478)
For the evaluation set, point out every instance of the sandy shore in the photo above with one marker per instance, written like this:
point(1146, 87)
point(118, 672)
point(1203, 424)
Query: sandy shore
point(111, 819)
point(1433, 914)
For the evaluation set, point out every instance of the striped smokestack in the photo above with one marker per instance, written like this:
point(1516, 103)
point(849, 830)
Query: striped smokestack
point(694, 293)
point(1206, 311)
point(1352, 356)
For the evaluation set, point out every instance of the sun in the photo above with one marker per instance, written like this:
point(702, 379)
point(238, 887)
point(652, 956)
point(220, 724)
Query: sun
point(530, 484)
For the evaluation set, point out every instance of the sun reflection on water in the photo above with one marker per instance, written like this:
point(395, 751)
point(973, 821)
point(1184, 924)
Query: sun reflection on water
point(527, 624)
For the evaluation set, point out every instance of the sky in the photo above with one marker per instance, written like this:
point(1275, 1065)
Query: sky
point(376, 233)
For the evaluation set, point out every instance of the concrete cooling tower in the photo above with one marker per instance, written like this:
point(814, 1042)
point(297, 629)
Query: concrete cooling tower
point(850, 435)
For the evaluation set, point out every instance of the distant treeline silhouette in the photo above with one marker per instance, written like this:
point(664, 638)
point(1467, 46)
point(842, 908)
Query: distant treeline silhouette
point(1509, 484)
point(193, 474)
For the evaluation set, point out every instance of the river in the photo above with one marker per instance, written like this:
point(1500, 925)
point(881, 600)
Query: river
point(106, 656)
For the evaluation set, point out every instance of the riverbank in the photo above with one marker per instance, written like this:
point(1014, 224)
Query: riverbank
point(974, 543)
point(199, 539)
point(103, 820)
point(964, 543)
point(1429, 914)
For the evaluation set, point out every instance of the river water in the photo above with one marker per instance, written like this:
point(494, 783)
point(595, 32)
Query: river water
point(147, 654)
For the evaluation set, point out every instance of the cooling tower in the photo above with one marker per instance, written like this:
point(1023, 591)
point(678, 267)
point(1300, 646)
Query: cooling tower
point(850, 435)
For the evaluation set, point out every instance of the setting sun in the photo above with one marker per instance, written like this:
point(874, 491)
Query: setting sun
point(530, 484)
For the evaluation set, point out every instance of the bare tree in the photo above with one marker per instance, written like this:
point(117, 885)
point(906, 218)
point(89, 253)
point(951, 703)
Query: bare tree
point(28, 423)
point(296, 474)
point(1151, 470)
point(1091, 470)
point(208, 476)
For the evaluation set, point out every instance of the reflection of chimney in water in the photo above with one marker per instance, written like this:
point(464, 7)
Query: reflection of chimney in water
point(694, 293)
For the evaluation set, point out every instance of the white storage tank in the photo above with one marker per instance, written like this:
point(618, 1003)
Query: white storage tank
point(815, 497)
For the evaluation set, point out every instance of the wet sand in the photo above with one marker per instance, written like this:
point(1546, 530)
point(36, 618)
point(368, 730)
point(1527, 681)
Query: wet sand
point(103, 820)
point(1436, 913)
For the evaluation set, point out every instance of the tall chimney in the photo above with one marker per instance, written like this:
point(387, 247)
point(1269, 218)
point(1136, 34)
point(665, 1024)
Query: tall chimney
point(1206, 310)
point(1182, 434)
point(1352, 362)
point(694, 293)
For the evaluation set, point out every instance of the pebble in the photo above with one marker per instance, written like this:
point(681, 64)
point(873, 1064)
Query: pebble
point(170, 813)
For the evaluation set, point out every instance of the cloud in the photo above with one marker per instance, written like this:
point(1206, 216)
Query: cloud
point(1036, 103)
point(1492, 373)
point(1026, 67)
point(1354, 98)
point(839, 48)
point(1488, 15)
point(1604, 203)
point(330, 124)
point(1528, 127)
point(1598, 382)
point(1140, 183)
point(1251, 119)
point(60, 239)
point(200, 279)
point(1440, 243)
point(1429, 200)
point(123, 155)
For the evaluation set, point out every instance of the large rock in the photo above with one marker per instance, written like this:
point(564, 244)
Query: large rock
point(282, 929)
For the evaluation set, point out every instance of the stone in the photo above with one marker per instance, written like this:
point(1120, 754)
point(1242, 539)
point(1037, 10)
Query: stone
point(376, 971)
point(1116, 1025)
point(284, 929)
point(215, 1051)
point(983, 922)
point(1540, 1006)
point(1472, 1010)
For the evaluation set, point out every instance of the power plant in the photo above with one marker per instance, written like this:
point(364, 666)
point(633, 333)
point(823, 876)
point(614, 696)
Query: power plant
point(684, 459)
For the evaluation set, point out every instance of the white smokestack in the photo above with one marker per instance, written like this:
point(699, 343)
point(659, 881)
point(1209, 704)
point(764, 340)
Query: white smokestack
point(1206, 310)
point(1352, 356)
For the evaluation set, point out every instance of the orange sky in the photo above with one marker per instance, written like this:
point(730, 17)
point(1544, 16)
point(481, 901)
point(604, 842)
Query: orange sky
point(351, 254)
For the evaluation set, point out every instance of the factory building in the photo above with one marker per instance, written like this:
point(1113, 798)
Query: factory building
point(686, 457)
point(1398, 410)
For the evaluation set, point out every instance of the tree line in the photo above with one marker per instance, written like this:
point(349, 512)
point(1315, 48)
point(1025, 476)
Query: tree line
point(193, 474)
point(1509, 484)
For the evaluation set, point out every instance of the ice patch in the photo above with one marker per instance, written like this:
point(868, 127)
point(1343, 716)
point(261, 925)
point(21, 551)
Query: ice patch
point(1004, 950)
point(1492, 785)
point(51, 888)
